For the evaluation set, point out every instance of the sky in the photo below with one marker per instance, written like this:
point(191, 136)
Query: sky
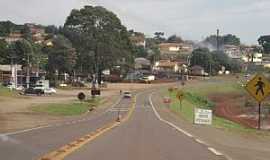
point(190, 19)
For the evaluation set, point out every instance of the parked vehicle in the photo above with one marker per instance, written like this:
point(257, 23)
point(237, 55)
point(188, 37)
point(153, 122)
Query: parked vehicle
point(147, 79)
point(50, 91)
point(34, 91)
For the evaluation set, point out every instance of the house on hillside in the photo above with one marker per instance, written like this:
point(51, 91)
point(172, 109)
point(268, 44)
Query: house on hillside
point(38, 32)
point(170, 51)
point(13, 37)
point(167, 66)
point(233, 51)
point(138, 39)
point(142, 64)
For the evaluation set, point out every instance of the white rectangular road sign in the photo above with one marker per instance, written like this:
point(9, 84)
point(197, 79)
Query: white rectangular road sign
point(203, 116)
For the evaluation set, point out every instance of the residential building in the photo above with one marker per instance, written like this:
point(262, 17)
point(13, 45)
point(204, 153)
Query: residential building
point(142, 64)
point(170, 51)
point(13, 37)
point(168, 66)
point(252, 54)
point(37, 32)
point(138, 39)
point(11, 73)
point(233, 51)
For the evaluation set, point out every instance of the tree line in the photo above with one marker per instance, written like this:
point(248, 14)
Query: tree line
point(91, 40)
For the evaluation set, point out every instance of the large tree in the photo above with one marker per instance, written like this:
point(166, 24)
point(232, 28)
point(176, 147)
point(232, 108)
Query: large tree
point(228, 39)
point(264, 41)
point(175, 39)
point(61, 56)
point(99, 37)
point(6, 27)
point(203, 58)
point(22, 52)
point(3, 52)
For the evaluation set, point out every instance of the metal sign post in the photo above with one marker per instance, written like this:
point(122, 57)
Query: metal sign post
point(180, 96)
point(259, 119)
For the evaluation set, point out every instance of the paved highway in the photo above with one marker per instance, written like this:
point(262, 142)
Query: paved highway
point(30, 145)
point(142, 137)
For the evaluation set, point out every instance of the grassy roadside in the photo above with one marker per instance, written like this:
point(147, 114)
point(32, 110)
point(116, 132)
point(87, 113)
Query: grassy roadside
point(195, 96)
point(70, 109)
point(6, 92)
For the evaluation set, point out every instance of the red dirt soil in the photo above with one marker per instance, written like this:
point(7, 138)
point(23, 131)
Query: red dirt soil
point(226, 107)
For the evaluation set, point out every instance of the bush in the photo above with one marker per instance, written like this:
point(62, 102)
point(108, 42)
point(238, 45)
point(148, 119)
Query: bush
point(199, 100)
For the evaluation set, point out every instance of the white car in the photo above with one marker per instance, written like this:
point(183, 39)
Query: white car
point(49, 91)
point(127, 94)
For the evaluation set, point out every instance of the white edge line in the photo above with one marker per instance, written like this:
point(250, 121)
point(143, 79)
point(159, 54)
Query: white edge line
point(217, 153)
point(167, 122)
point(26, 130)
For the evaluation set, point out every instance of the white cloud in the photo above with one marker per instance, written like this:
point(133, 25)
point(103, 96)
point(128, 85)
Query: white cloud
point(193, 19)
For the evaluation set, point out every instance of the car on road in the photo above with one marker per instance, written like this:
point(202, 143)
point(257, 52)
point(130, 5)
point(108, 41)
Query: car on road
point(49, 91)
point(127, 94)
point(33, 91)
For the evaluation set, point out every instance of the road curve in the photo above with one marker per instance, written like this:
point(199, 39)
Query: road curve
point(143, 137)
point(32, 144)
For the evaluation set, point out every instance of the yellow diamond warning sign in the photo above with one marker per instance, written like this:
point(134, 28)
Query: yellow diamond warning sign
point(258, 87)
point(180, 95)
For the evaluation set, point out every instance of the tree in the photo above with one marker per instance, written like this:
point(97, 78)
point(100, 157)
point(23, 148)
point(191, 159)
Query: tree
point(175, 39)
point(6, 27)
point(214, 61)
point(99, 37)
point(61, 57)
point(26, 33)
point(221, 59)
point(51, 29)
point(22, 51)
point(140, 51)
point(3, 52)
point(152, 46)
point(228, 39)
point(264, 41)
point(203, 58)
point(159, 37)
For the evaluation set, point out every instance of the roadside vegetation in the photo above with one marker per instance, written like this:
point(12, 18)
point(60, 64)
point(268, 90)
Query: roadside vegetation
point(195, 96)
point(6, 92)
point(69, 109)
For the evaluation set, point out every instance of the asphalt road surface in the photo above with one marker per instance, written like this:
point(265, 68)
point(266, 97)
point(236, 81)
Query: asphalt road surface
point(143, 137)
point(31, 145)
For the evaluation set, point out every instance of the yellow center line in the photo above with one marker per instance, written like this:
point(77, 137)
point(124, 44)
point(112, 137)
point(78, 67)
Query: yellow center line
point(66, 150)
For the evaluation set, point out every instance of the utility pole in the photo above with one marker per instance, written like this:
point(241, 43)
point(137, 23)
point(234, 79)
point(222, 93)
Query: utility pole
point(28, 72)
point(218, 45)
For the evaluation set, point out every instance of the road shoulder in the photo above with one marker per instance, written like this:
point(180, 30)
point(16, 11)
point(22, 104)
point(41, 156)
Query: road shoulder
point(232, 145)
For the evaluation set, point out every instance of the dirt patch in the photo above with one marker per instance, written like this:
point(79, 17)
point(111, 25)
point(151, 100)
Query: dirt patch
point(232, 106)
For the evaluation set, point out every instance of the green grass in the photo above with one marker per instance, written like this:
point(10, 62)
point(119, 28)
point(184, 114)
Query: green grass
point(196, 96)
point(221, 87)
point(71, 109)
point(6, 92)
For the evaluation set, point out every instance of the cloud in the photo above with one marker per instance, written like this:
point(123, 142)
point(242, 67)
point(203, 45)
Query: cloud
point(192, 19)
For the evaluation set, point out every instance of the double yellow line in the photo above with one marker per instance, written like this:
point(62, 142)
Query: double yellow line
point(66, 150)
